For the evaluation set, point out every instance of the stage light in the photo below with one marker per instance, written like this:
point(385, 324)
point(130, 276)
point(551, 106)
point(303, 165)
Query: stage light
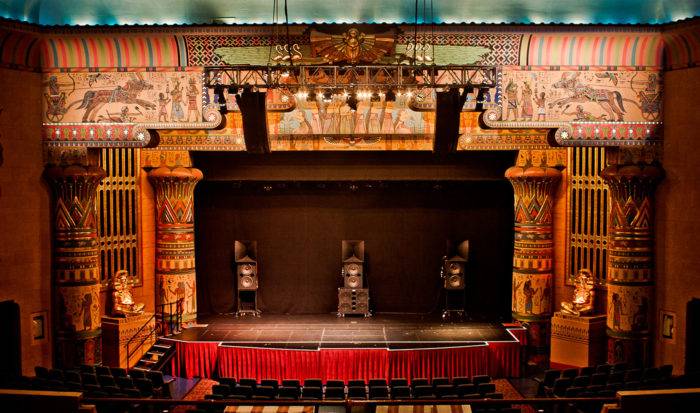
point(284, 74)
point(480, 98)
point(352, 101)
point(302, 94)
point(374, 97)
point(221, 99)
point(311, 96)
point(232, 90)
point(328, 96)
point(390, 96)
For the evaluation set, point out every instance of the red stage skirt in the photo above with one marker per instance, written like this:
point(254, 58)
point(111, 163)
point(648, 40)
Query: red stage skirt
point(202, 359)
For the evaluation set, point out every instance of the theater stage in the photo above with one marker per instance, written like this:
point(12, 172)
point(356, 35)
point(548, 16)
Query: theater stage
point(327, 347)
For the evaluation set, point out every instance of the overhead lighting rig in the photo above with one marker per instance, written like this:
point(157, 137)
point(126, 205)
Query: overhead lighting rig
point(372, 77)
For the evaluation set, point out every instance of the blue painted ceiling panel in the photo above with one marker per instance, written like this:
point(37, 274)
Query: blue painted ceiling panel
point(148, 12)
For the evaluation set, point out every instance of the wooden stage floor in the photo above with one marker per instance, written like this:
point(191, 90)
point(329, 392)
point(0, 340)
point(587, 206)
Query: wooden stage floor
point(307, 332)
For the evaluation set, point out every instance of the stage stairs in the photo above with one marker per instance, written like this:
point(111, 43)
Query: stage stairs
point(157, 356)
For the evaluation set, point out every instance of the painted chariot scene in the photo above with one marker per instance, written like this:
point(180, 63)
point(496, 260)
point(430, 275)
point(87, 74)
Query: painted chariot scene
point(123, 97)
point(581, 96)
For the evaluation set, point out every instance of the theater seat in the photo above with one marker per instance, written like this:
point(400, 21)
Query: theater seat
point(264, 392)
point(241, 392)
point(377, 383)
point(335, 393)
point(313, 383)
point(481, 379)
point(356, 383)
point(468, 388)
point(423, 392)
point(461, 380)
point(291, 393)
point(335, 384)
point(400, 392)
point(311, 393)
point(378, 392)
point(445, 391)
point(357, 392)
point(271, 383)
point(248, 383)
point(440, 381)
point(222, 389)
point(421, 381)
point(398, 382)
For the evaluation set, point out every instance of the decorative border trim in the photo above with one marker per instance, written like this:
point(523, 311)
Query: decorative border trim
point(115, 135)
point(564, 133)
point(111, 135)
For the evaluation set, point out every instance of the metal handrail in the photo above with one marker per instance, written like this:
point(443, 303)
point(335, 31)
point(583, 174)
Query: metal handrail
point(157, 326)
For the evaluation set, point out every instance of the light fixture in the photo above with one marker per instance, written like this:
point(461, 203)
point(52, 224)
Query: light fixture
point(374, 97)
point(390, 96)
point(311, 96)
point(328, 96)
point(232, 90)
point(284, 74)
point(351, 101)
point(221, 99)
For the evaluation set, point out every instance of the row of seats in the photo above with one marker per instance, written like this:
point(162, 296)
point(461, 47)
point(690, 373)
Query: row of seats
point(375, 389)
point(101, 381)
point(602, 381)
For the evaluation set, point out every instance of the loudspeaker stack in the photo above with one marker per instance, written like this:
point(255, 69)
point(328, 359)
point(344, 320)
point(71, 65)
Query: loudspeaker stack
point(353, 297)
point(454, 279)
point(246, 253)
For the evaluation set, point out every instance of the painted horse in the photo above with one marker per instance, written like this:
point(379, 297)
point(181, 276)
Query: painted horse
point(94, 100)
point(609, 101)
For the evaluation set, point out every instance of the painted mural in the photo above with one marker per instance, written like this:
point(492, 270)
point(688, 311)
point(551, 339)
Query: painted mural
point(581, 96)
point(123, 97)
point(531, 294)
point(629, 308)
point(80, 308)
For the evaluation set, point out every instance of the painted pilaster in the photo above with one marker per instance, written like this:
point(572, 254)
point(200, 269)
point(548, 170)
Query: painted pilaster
point(532, 290)
point(175, 261)
point(76, 264)
point(630, 260)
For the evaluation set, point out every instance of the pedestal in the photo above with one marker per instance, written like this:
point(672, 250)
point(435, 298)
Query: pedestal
point(116, 333)
point(578, 340)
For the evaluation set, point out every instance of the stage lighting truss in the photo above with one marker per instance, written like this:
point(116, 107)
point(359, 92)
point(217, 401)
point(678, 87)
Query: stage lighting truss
point(375, 78)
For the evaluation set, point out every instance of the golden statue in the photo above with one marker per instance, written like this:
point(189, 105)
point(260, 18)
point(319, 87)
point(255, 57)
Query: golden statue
point(352, 47)
point(584, 295)
point(122, 301)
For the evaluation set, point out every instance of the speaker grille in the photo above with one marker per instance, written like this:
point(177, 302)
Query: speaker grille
point(247, 282)
point(353, 281)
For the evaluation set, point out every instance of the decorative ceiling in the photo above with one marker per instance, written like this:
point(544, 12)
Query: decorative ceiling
point(176, 12)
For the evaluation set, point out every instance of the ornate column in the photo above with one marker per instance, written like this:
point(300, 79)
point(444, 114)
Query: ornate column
point(175, 266)
point(76, 264)
point(533, 251)
point(630, 260)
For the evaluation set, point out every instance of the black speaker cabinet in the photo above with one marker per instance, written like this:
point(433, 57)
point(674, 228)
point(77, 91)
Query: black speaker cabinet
point(246, 253)
point(353, 263)
point(353, 301)
point(454, 280)
point(454, 266)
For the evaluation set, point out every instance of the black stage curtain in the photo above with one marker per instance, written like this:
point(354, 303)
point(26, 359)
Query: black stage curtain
point(299, 229)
